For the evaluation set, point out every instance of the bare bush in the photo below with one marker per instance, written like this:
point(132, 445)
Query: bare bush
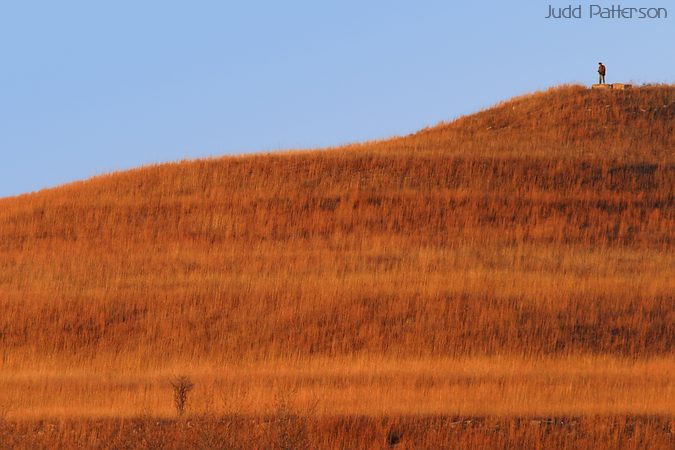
point(182, 386)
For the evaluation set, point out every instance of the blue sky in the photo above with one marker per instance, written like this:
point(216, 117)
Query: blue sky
point(93, 87)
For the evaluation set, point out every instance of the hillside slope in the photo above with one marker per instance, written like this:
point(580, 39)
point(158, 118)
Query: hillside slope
point(541, 228)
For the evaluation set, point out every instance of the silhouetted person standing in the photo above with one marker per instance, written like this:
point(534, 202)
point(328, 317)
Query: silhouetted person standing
point(602, 70)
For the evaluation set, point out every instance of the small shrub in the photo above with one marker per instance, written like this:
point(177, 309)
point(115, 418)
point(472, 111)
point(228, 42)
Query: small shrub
point(181, 388)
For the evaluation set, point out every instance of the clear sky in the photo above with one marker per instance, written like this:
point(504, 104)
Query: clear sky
point(88, 87)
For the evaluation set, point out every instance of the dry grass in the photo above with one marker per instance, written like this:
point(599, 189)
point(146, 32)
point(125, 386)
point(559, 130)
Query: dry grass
point(300, 433)
point(487, 386)
point(531, 242)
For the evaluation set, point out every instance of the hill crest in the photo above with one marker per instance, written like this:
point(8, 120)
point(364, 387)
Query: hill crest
point(565, 122)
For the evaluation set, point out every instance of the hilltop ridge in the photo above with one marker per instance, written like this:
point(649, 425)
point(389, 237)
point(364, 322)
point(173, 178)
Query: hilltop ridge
point(565, 122)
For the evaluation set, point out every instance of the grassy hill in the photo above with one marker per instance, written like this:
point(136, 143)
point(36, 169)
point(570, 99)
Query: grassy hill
point(515, 261)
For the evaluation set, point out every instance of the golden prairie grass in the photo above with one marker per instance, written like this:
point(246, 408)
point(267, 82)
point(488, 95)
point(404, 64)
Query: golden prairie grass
point(515, 262)
point(363, 386)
